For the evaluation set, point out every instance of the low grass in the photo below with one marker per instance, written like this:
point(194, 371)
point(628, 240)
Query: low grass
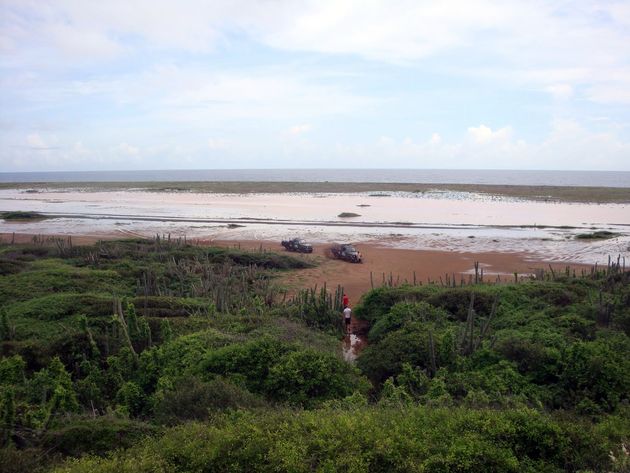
point(52, 276)
point(61, 305)
point(543, 193)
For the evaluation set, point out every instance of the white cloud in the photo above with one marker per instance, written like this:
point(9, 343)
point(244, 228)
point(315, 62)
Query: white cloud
point(195, 94)
point(567, 146)
point(127, 150)
point(397, 31)
point(617, 92)
point(80, 150)
point(436, 139)
point(549, 45)
point(560, 91)
point(82, 42)
point(483, 135)
point(146, 66)
point(217, 143)
point(553, 46)
point(79, 29)
point(300, 129)
point(35, 141)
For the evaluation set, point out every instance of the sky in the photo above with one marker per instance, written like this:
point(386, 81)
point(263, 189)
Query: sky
point(213, 84)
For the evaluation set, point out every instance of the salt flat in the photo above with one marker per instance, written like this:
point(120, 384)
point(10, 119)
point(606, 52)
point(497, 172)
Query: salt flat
point(439, 220)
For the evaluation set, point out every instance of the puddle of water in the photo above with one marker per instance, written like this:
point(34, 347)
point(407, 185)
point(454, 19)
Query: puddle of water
point(355, 340)
point(352, 345)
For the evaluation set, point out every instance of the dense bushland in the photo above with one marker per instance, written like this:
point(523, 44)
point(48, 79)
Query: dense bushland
point(160, 355)
point(553, 344)
point(356, 438)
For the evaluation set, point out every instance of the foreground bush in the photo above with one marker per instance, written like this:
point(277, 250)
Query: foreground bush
point(408, 439)
point(284, 372)
point(551, 344)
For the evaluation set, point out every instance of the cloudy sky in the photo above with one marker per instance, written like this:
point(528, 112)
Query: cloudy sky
point(165, 84)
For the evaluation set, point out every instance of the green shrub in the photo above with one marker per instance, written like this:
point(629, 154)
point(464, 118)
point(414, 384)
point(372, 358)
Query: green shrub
point(249, 361)
point(96, 436)
point(456, 301)
point(533, 358)
point(267, 260)
point(411, 345)
point(58, 306)
point(283, 372)
point(408, 439)
point(307, 377)
point(185, 354)
point(53, 276)
point(10, 266)
point(191, 399)
point(378, 302)
point(131, 398)
point(401, 313)
point(26, 460)
point(12, 370)
point(595, 376)
point(162, 306)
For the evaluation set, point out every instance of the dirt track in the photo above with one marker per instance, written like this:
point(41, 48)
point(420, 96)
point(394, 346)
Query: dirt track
point(382, 263)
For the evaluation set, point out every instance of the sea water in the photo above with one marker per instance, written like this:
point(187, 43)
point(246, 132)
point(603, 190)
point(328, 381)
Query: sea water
point(420, 176)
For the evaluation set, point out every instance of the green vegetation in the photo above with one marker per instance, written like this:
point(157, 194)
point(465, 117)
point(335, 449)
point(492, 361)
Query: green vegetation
point(552, 344)
point(599, 235)
point(20, 215)
point(159, 355)
point(348, 215)
point(358, 438)
point(375, 189)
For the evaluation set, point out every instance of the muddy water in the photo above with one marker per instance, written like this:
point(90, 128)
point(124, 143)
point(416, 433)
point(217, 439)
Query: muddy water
point(355, 339)
point(352, 345)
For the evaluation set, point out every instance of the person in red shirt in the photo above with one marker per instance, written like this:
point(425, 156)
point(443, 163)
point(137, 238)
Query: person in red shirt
point(346, 301)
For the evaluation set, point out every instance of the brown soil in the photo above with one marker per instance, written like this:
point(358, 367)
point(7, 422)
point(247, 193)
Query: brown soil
point(382, 263)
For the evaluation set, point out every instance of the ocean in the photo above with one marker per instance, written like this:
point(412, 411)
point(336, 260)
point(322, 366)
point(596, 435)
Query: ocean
point(420, 176)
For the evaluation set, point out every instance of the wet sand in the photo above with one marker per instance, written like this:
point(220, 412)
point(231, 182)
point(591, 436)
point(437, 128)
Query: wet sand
point(433, 221)
point(428, 209)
